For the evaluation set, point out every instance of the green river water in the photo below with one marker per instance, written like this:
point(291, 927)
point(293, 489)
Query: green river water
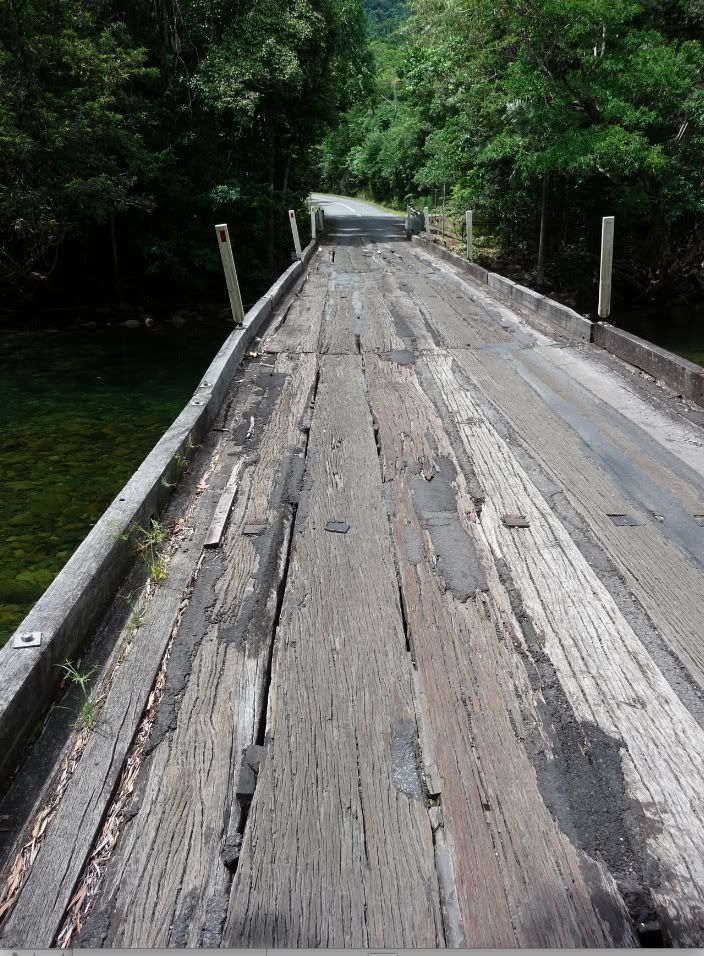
point(79, 410)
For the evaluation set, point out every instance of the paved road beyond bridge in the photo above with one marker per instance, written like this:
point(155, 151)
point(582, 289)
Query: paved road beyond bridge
point(441, 683)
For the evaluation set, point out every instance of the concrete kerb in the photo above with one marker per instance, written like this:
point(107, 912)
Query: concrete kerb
point(471, 268)
point(685, 377)
point(566, 318)
point(71, 607)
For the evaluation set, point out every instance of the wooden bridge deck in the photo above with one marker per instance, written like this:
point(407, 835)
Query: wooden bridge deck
point(389, 715)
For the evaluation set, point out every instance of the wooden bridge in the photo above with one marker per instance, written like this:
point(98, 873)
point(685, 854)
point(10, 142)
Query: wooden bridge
point(436, 680)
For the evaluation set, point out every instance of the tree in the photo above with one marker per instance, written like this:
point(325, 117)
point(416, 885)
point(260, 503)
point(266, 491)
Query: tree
point(140, 124)
point(71, 151)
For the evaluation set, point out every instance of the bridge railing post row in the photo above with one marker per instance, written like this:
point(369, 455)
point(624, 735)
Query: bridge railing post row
point(294, 231)
point(426, 214)
point(469, 234)
point(607, 262)
point(313, 223)
point(228, 264)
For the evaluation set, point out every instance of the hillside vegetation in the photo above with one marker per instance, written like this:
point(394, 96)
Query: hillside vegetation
point(384, 15)
point(128, 128)
point(544, 113)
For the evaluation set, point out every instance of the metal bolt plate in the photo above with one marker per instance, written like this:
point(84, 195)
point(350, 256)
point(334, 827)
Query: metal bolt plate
point(515, 521)
point(625, 521)
point(27, 639)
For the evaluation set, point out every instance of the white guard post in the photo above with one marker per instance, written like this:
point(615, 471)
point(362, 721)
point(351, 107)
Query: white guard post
point(469, 234)
point(426, 214)
point(296, 237)
point(313, 223)
point(607, 262)
point(228, 264)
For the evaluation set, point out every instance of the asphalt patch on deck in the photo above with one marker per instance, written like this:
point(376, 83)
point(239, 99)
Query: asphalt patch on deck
point(435, 503)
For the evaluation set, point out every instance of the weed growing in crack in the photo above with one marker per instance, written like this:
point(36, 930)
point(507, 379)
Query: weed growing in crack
point(88, 715)
point(149, 543)
point(182, 464)
point(137, 611)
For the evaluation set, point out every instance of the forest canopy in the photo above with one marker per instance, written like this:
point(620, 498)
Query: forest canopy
point(129, 127)
point(552, 111)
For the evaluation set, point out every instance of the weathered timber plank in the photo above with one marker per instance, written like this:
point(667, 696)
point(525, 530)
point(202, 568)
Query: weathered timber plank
point(162, 884)
point(38, 913)
point(361, 259)
point(301, 326)
point(667, 584)
point(476, 308)
point(338, 847)
point(379, 332)
point(519, 880)
point(356, 318)
point(342, 259)
point(676, 434)
point(608, 677)
point(450, 320)
point(408, 320)
point(341, 325)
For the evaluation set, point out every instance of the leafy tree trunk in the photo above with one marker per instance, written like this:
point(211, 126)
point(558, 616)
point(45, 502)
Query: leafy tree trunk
point(540, 272)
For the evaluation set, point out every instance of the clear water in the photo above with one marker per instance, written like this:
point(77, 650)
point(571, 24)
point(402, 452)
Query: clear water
point(79, 410)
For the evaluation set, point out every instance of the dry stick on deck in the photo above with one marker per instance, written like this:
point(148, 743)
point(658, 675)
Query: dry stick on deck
point(222, 512)
point(607, 675)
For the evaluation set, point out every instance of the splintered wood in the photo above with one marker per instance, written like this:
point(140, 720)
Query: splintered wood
point(394, 692)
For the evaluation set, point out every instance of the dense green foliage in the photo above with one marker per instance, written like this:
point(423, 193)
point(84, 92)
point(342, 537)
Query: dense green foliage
point(554, 110)
point(384, 15)
point(129, 127)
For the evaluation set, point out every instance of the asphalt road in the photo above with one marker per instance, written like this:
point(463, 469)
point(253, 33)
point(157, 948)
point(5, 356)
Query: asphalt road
point(353, 219)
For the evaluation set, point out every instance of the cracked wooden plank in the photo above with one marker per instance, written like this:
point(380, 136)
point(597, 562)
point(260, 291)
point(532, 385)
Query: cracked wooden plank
point(167, 884)
point(519, 881)
point(610, 680)
point(357, 319)
point(454, 318)
point(300, 328)
point(338, 847)
point(341, 324)
point(408, 320)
